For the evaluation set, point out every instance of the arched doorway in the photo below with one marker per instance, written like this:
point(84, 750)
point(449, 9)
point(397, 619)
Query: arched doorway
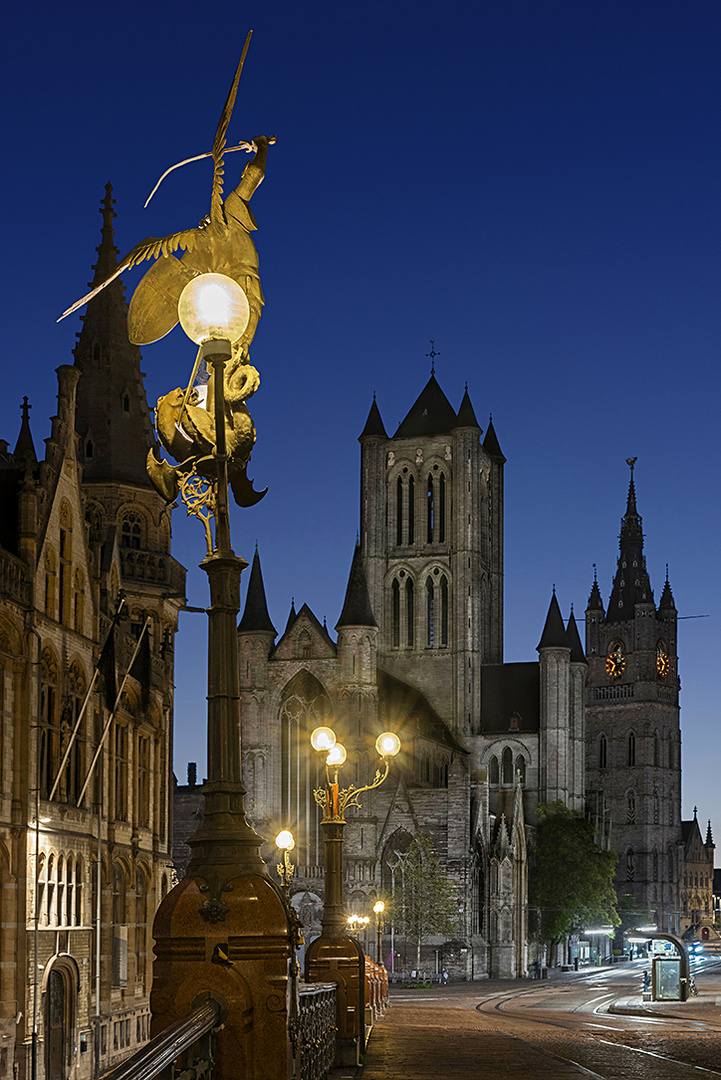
point(59, 1021)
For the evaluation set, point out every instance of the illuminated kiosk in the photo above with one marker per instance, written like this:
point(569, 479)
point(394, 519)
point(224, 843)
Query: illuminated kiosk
point(335, 956)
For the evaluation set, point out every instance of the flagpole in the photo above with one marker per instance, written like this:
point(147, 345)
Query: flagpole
point(110, 719)
point(81, 714)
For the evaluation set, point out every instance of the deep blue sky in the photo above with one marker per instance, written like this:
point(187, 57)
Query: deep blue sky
point(535, 185)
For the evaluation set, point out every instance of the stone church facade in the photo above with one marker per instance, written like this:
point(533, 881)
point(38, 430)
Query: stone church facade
point(419, 651)
point(78, 528)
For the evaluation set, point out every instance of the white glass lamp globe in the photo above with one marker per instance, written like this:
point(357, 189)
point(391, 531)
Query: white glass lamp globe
point(388, 744)
point(284, 840)
point(336, 755)
point(213, 307)
point(323, 738)
point(379, 907)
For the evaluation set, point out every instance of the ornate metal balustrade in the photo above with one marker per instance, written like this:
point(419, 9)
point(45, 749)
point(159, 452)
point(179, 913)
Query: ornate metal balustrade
point(184, 1051)
point(317, 1030)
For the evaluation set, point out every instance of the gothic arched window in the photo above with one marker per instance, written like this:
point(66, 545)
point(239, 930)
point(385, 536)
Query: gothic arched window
point(521, 769)
point(656, 749)
point(131, 531)
point(656, 808)
point(444, 610)
point(430, 511)
point(602, 751)
point(493, 771)
point(396, 612)
point(507, 765)
point(430, 614)
point(654, 865)
point(442, 509)
point(631, 807)
point(411, 510)
point(630, 865)
point(410, 613)
point(399, 511)
point(631, 749)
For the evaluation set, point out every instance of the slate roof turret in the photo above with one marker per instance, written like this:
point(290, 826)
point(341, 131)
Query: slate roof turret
point(357, 609)
point(554, 634)
point(255, 613)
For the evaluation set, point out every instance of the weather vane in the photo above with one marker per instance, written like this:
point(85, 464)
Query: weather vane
point(220, 244)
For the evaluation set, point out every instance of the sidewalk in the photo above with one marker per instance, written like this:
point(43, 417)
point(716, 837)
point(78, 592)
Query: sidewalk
point(412, 1041)
point(704, 1007)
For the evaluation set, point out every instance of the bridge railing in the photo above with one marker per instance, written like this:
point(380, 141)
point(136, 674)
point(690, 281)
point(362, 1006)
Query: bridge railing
point(183, 1050)
point(317, 1030)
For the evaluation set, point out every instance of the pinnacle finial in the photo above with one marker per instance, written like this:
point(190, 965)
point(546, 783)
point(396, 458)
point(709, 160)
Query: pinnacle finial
point(595, 575)
point(695, 811)
point(631, 461)
point(25, 408)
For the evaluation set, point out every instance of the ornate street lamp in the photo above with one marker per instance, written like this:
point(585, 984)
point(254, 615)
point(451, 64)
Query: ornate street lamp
point(336, 955)
point(335, 800)
point(379, 907)
point(285, 842)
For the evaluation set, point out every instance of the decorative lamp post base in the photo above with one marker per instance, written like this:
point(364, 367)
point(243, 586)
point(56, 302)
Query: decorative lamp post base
point(235, 947)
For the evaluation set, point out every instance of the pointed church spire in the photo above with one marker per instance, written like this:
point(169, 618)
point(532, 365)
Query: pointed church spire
point(374, 424)
point(631, 584)
point(292, 616)
point(25, 446)
point(574, 640)
point(430, 414)
point(255, 615)
point(357, 606)
point(491, 444)
point(111, 417)
point(666, 603)
point(466, 415)
point(554, 634)
point(709, 837)
point(595, 603)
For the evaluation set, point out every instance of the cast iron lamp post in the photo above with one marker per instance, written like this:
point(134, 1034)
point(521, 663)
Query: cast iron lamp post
point(334, 800)
point(379, 907)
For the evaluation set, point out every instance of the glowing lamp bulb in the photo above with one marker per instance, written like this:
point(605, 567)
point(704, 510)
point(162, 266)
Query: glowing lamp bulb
point(388, 744)
point(379, 907)
point(323, 738)
point(336, 755)
point(284, 840)
point(213, 307)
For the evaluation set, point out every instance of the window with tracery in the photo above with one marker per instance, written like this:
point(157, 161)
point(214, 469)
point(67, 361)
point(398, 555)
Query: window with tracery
point(131, 531)
point(602, 751)
point(444, 610)
point(631, 749)
point(430, 510)
point(410, 612)
point(396, 612)
point(507, 766)
point(493, 771)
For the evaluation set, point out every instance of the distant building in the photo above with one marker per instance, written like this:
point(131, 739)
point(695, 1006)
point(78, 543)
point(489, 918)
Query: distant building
point(419, 650)
point(78, 529)
point(697, 883)
point(633, 767)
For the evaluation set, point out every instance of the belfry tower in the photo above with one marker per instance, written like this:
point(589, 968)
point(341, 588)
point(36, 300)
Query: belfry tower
point(633, 769)
point(432, 543)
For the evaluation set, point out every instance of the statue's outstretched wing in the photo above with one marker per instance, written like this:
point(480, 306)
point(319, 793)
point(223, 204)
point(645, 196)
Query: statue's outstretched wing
point(216, 197)
point(146, 249)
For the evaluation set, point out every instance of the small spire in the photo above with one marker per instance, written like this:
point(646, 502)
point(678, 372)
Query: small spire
point(554, 634)
point(25, 446)
point(433, 354)
point(695, 812)
point(357, 609)
point(255, 614)
point(374, 423)
point(466, 415)
point(709, 836)
point(491, 444)
point(574, 640)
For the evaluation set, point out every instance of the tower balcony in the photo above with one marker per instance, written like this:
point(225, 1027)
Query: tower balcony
point(153, 568)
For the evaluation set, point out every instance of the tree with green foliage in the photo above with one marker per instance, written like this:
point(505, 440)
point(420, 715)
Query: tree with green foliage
point(570, 880)
point(429, 902)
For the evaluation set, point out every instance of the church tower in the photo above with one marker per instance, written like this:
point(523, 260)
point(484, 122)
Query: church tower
point(633, 768)
point(432, 542)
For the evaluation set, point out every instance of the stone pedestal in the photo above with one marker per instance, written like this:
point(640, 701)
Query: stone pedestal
point(341, 960)
point(235, 947)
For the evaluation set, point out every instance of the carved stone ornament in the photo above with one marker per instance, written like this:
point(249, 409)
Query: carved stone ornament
point(214, 911)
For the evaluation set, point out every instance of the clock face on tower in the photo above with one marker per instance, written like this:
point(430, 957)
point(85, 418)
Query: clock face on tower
point(662, 661)
point(615, 661)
